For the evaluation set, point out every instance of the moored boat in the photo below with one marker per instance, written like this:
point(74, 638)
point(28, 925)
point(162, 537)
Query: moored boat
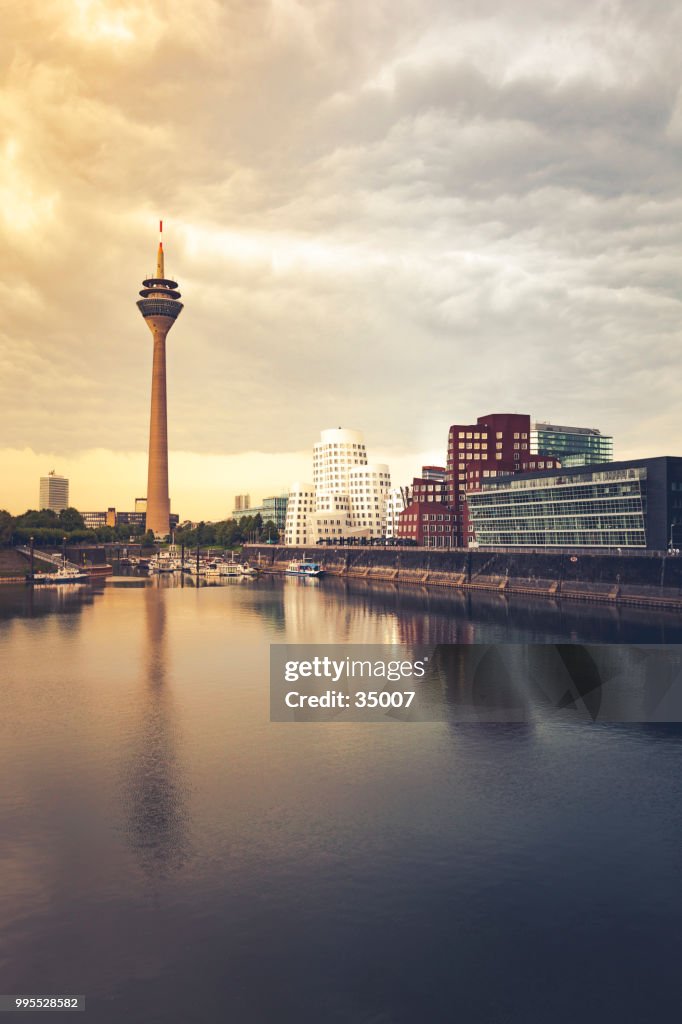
point(65, 574)
point(304, 567)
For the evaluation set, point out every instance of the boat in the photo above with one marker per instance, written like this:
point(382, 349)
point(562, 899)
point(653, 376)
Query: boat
point(213, 570)
point(232, 569)
point(164, 563)
point(304, 568)
point(64, 574)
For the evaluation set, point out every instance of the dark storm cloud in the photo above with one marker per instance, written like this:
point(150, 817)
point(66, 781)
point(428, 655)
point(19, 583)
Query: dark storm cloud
point(416, 213)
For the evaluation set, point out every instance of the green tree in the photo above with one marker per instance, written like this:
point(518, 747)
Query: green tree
point(270, 532)
point(71, 519)
point(46, 518)
point(6, 527)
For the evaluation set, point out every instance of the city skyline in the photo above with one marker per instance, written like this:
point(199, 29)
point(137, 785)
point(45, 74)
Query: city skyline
point(409, 208)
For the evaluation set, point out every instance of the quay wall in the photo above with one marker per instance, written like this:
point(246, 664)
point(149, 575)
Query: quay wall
point(646, 580)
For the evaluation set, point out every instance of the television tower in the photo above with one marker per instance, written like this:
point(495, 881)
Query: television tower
point(160, 307)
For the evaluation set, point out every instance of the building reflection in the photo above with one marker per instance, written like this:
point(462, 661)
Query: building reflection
point(156, 788)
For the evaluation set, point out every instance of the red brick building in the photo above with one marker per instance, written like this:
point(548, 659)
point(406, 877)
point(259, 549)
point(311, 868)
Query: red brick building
point(427, 523)
point(430, 486)
point(498, 444)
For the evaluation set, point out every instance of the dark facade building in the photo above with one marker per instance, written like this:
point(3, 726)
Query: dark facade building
point(427, 523)
point(415, 522)
point(430, 486)
point(632, 504)
point(495, 444)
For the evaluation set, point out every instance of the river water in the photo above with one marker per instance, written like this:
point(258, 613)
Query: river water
point(171, 854)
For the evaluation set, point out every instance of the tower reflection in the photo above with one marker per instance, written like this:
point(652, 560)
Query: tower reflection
point(156, 788)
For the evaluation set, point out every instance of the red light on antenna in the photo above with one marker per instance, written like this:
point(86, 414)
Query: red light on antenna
point(160, 226)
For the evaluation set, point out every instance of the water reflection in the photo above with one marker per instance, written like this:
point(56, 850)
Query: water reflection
point(299, 852)
point(27, 602)
point(155, 785)
point(571, 683)
point(431, 615)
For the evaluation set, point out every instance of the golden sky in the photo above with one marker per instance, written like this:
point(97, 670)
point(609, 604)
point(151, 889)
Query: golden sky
point(389, 217)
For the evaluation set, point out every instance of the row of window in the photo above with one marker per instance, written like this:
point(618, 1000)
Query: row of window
point(425, 517)
point(554, 510)
point(478, 435)
point(562, 538)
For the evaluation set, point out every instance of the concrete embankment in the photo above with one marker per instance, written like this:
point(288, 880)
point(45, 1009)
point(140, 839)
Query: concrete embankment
point(644, 580)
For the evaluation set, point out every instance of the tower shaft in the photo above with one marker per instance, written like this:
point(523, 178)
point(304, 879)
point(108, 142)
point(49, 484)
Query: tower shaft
point(158, 501)
point(160, 308)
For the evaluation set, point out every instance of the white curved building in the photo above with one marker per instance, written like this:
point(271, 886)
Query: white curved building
point(334, 455)
point(368, 489)
point(398, 500)
point(300, 506)
point(347, 497)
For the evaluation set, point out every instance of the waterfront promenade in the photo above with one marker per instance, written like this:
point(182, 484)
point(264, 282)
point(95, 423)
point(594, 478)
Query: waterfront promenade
point(647, 580)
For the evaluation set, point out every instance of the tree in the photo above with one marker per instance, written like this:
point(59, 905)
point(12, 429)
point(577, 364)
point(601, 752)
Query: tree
point(46, 518)
point(71, 519)
point(270, 532)
point(6, 527)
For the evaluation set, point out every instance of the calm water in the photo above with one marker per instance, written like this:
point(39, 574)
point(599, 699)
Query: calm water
point(171, 854)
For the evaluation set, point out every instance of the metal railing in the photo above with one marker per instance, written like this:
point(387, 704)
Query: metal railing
point(47, 556)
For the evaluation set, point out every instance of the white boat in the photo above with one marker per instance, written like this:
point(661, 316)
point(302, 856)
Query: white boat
point(64, 574)
point(164, 563)
point(304, 568)
point(232, 569)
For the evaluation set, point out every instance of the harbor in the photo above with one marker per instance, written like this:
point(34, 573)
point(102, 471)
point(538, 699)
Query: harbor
point(644, 580)
point(147, 795)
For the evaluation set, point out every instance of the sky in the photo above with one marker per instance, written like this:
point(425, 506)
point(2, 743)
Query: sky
point(390, 217)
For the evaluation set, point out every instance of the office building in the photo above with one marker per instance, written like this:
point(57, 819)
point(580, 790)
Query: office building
point(428, 524)
point(397, 501)
point(633, 504)
point(350, 495)
point(368, 490)
point(110, 517)
point(242, 504)
point(333, 455)
point(160, 308)
point(300, 506)
point(414, 520)
point(500, 441)
point(431, 485)
point(54, 492)
point(573, 446)
point(272, 509)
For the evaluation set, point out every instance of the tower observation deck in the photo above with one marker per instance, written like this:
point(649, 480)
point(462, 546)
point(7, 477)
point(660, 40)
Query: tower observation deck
point(160, 308)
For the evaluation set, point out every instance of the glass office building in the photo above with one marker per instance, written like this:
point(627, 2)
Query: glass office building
point(635, 504)
point(574, 446)
point(273, 509)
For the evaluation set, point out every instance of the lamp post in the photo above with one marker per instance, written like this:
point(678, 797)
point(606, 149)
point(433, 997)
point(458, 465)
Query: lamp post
point(64, 549)
point(30, 539)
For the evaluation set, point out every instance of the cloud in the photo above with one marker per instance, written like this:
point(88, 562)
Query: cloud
point(396, 218)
